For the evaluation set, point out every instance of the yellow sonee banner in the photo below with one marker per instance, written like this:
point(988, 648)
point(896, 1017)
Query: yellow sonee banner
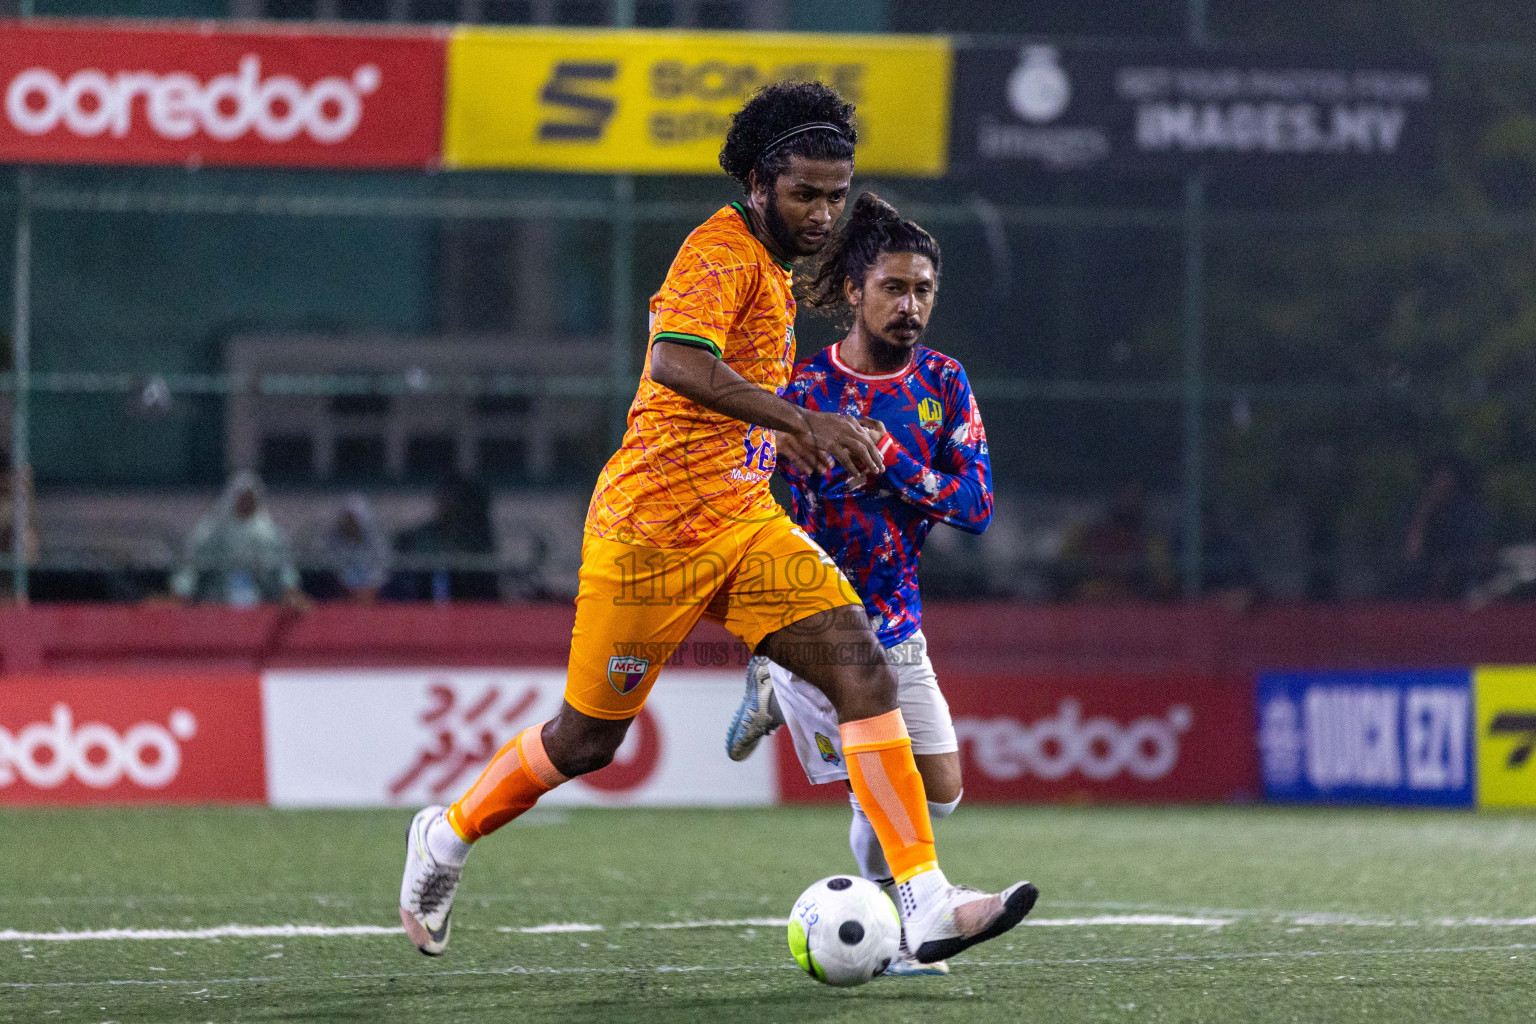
point(1506, 736)
point(660, 102)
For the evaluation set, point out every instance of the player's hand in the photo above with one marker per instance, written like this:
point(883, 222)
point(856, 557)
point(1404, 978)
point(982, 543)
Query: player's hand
point(844, 438)
point(876, 430)
point(801, 457)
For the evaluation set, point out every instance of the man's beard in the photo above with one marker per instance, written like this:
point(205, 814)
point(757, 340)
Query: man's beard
point(778, 230)
point(889, 355)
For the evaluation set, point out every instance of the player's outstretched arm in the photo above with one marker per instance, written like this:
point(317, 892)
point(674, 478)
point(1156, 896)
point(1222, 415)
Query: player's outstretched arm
point(700, 376)
point(957, 490)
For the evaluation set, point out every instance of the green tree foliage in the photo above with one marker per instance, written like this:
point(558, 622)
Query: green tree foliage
point(1401, 330)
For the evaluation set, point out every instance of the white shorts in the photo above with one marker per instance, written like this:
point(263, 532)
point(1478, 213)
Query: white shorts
point(809, 716)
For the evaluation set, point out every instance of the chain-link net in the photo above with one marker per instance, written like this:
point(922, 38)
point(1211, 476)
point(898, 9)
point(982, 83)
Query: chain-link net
point(1362, 339)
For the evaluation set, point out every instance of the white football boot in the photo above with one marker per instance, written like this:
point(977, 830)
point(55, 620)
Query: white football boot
point(426, 891)
point(940, 919)
point(906, 965)
point(758, 714)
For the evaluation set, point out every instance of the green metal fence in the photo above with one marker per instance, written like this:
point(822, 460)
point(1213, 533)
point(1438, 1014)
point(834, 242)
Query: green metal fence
point(1110, 330)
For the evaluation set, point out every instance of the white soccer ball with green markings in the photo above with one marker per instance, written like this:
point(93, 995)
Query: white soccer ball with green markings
point(844, 931)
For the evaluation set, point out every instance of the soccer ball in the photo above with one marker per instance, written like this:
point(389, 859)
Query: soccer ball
point(844, 931)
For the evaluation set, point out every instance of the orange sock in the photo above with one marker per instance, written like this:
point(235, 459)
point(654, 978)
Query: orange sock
point(517, 776)
point(885, 779)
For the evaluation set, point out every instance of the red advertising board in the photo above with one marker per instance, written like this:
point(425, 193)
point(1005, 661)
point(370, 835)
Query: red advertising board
point(87, 94)
point(1065, 738)
point(130, 739)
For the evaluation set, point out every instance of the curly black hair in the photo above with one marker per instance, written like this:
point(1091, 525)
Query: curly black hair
point(874, 227)
point(776, 109)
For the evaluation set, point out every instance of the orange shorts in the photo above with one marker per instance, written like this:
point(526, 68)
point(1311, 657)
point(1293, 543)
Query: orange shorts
point(636, 604)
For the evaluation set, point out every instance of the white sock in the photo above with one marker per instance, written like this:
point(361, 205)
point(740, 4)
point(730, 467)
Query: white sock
point(866, 845)
point(444, 843)
point(920, 891)
point(938, 810)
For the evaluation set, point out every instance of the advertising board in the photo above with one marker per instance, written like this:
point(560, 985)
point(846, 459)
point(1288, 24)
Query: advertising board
point(84, 93)
point(1170, 738)
point(1389, 737)
point(1061, 108)
point(74, 739)
point(373, 738)
point(653, 102)
point(1506, 736)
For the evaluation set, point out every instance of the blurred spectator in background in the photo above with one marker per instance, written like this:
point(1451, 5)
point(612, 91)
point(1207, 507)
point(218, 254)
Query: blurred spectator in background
point(237, 555)
point(29, 543)
point(1228, 568)
point(461, 529)
point(1119, 557)
point(354, 553)
point(1448, 546)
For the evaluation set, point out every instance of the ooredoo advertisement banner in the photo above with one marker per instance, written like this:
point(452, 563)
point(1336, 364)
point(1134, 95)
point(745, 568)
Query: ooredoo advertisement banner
point(144, 739)
point(1050, 738)
point(372, 738)
point(616, 101)
point(90, 94)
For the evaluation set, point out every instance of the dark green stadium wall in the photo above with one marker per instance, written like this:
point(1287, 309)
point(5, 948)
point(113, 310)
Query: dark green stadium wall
point(132, 8)
point(848, 16)
point(145, 294)
point(140, 294)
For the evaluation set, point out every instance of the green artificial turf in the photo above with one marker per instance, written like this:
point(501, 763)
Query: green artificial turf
point(1294, 915)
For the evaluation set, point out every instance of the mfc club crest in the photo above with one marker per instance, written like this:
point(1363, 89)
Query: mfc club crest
point(625, 672)
point(828, 751)
point(930, 413)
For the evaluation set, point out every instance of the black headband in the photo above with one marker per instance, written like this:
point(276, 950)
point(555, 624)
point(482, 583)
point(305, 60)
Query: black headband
point(800, 129)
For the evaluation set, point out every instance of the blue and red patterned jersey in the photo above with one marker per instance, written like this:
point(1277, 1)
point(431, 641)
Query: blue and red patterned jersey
point(936, 471)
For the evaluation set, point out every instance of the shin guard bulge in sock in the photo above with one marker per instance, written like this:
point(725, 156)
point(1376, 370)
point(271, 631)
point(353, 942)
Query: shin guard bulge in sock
point(886, 781)
point(517, 776)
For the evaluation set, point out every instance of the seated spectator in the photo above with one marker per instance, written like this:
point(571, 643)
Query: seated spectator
point(355, 554)
point(8, 511)
point(460, 530)
point(236, 554)
point(1228, 574)
point(29, 545)
point(1448, 546)
point(1118, 558)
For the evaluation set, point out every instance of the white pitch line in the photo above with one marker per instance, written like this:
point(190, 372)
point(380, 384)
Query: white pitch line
point(239, 931)
point(1101, 920)
point(1168, 908)
point(1309, 918)
point(227, 931)
point(1279, 954)
point(745, 922)
point(284, 931)
point(1358, 921)
point(1115, 920)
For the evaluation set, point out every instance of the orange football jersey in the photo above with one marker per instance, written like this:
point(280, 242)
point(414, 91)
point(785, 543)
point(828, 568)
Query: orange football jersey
point(684, 473)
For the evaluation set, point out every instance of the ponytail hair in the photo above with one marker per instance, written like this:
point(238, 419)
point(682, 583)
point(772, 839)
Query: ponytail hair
point(873, 228)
